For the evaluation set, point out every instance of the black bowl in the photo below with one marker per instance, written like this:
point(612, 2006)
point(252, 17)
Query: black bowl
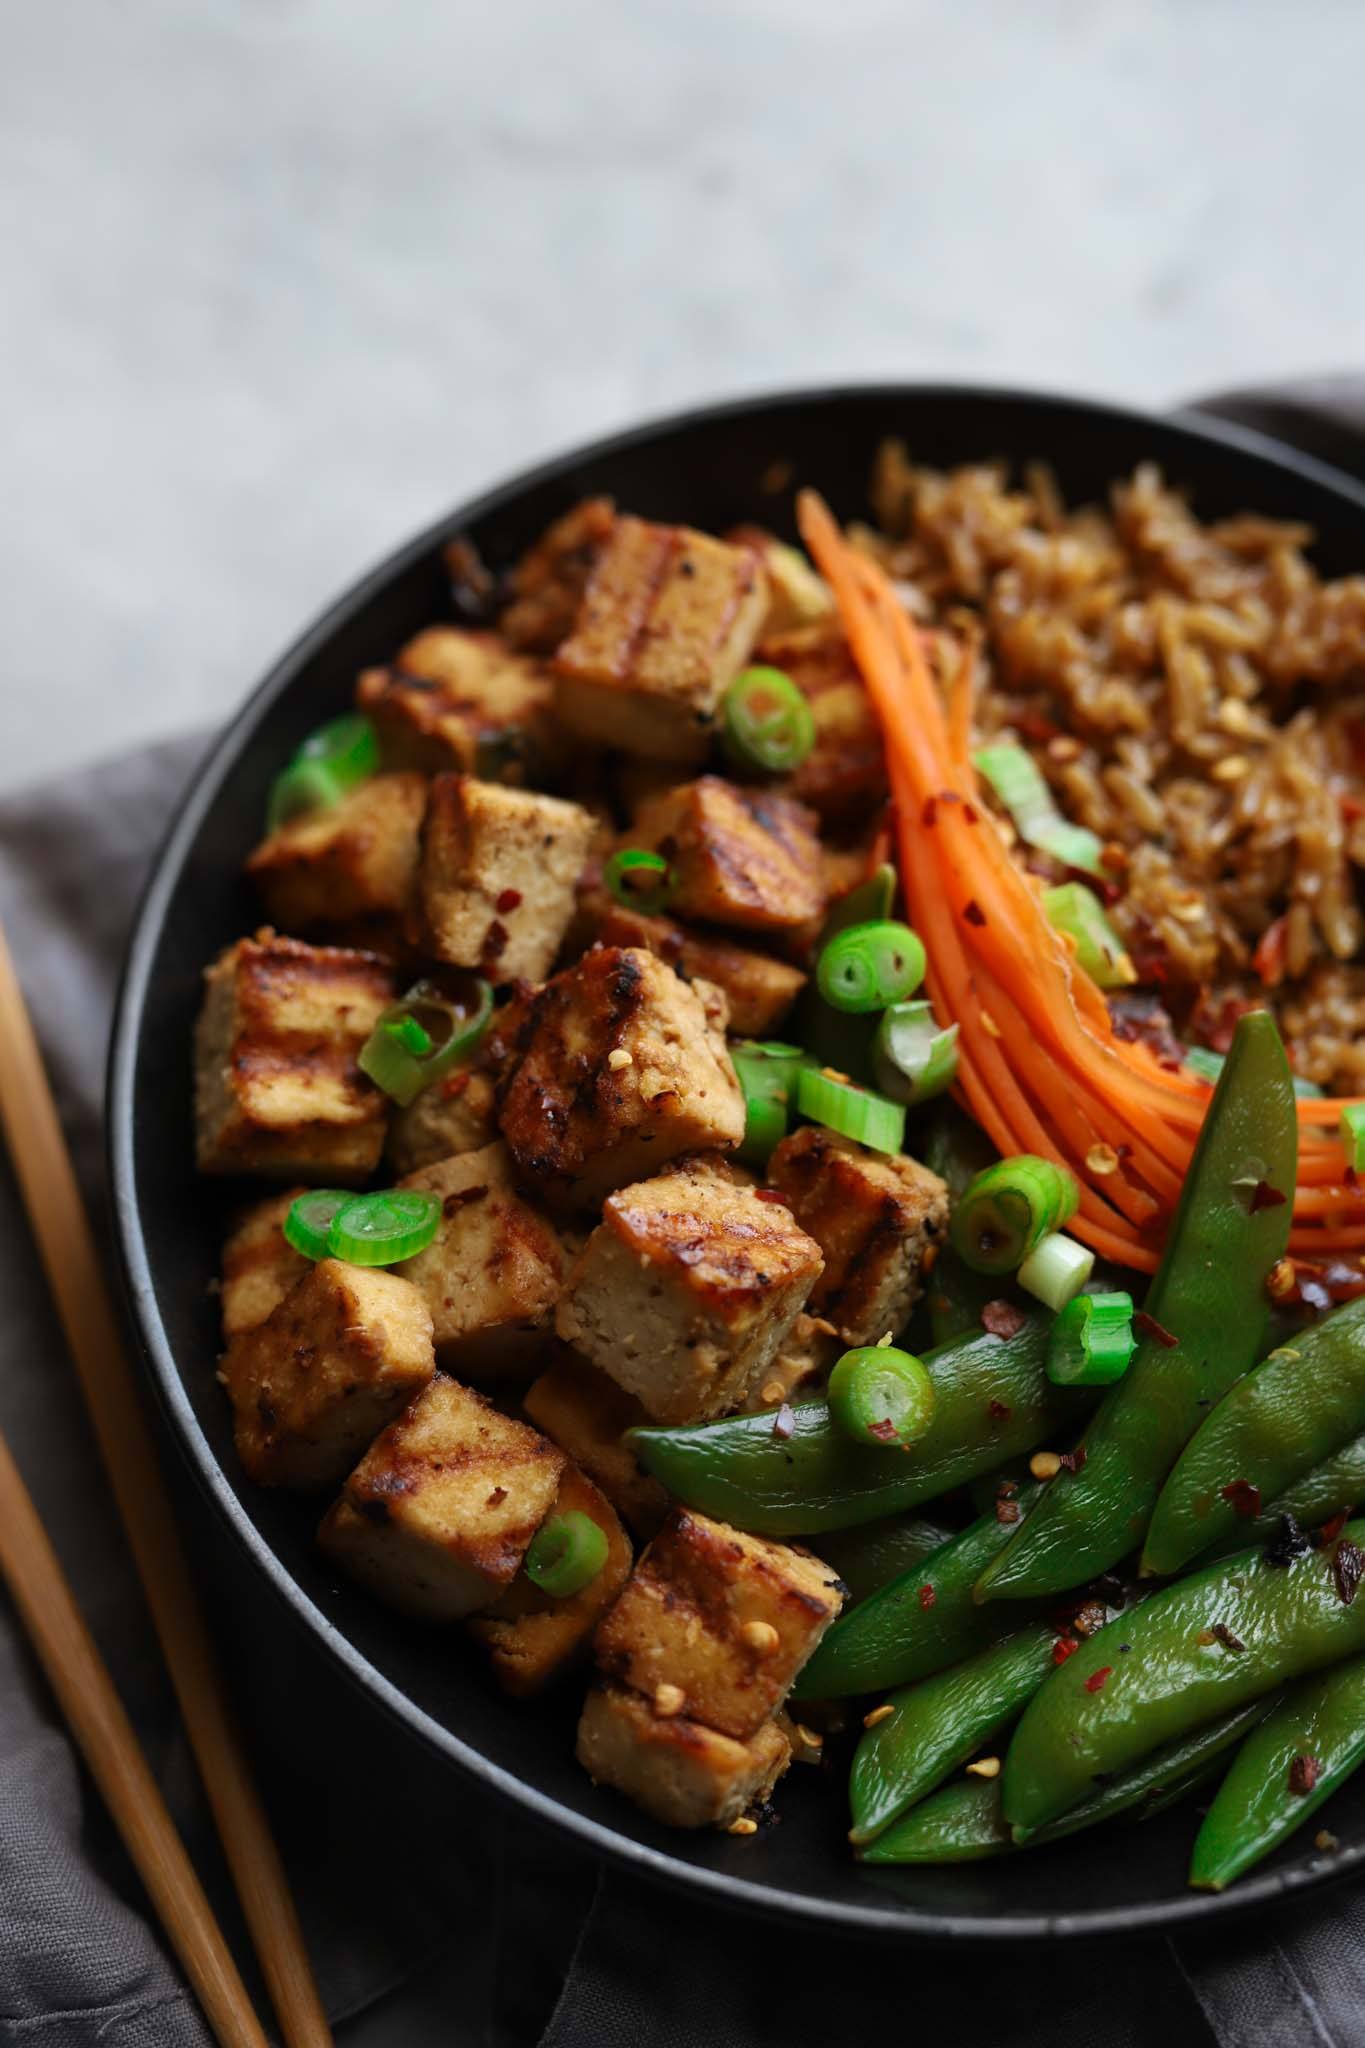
point(712, 468)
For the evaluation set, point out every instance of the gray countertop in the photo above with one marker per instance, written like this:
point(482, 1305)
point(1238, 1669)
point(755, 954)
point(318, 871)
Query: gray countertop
point(284, 278)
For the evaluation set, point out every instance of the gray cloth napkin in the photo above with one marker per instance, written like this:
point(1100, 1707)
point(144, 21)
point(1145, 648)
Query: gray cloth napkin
point(429, 1917)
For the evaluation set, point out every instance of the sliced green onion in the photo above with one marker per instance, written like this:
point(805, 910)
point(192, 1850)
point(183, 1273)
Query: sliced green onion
point(1017, 780)
point(869, 966)
point(1209, 1065)
point(879, 1395)
point(420, 1039)
point(768, 724)
point(853, 1112)
point(1091, 1341)
point(381, 1229)
point(767, 1073)
point(566, 1554)
point(915, 1058)
point(1075, 909)
point(1006, 1212)
point(1353, 1134)
point(638, 880)
point(1057, 1269)
point(331, 762)
point(310, 1219)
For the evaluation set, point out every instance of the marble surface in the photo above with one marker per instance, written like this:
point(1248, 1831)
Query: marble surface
point(282, 279)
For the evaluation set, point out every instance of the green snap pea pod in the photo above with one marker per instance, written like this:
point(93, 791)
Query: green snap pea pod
point(1282, 1774)
point(935, 1726)
point(796, 1473)
point(1199, 1648)
point(964, 1822)
point(1337, 1483)
point(922, 1621)
point(1208, 1296)
point(868, 1558)
point(1292, 1410)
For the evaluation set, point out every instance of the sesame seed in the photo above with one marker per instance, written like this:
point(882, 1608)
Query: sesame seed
point(884, 1340)
point(742, 1826)
point(810, 1738)
point(618, 1059)
point(1102, 1159)
point(761, 1637)
point(877, 1715)
point(668, 1701)
point(1324, 1839)
point(984, 1767)
point(772, 1391)
point(1045, 1464)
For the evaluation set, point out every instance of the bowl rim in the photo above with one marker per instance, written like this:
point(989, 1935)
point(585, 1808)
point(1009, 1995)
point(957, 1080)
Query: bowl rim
point(599, 1836)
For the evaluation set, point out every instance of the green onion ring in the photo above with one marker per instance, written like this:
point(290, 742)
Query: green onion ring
point(1003, 1214)
point(309, 1219)
point(566, 1554)
point(880, 1395)
point(768, 726)
point(382, 1229)
point(870, 966)
point(626, 873)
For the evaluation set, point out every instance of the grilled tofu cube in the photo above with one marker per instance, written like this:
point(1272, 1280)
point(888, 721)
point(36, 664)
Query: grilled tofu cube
point(357, 860)
point(797, 596)
point(465, 702)
point(619, 1067)
point(259, 1265)
point(533, 1638)
point(666, 623)
point(843, 777)
point(678, 1771)
point(803, 1364)
point(453, 1115)
point(588, 1415)
point(497, 875)
point(492, 1274)
point(346, 1349)
point(436, 1517)
point(277, 1088)
point(724, 1619)
point(549, 581)
point(759, 991)
point(873, 1216)
point(742, 857)
point(687, 1289)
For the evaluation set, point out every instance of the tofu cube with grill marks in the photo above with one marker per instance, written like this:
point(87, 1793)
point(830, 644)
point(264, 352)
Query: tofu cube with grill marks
point(873, 1215)
point(346, 1349)
point(497, 875)
point(353, 861)
point(436, 1518)
point(259, 1265)
point(453, 1115)
point(277, 1088)
point(687, 1289)
point(758, 990)
point(667, 621)
point(465, 702)
point(533, 1638)
point(742, 857)
point(587, 1415)
point(724, 1618)
point(619, 1067)
point(549, 581)
point(803, 1363)
point(843, 777)
point(678, 1771)
point(492, 1274)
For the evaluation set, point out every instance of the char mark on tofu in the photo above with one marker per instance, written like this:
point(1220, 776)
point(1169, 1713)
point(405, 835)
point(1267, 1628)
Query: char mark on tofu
point(678, 1771)
point(533, 1638)
point(687, 1288)
point(452, 1115)
point(873, 1216)
point(587, 1414)
point(548, 583)
point(619, 1067)
point(759, 991)
point(342, 865)
point(464, 702)
point(277, 1088)
point(667, 621)
point(344, 1351)
point(497, 875)
point(742, 857)
point(259, 1264)
point(436, 1518)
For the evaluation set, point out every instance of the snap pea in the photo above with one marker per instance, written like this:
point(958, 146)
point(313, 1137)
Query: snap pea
point(922, 1621)
point(1205, 1311)
point(1217, 1640)
point(1282, 1774)
point(935, 1726)
point(1337, 1483)
point(1290, 1412)
point(796, 1473)
point(869, 1557)
point(956, 1295)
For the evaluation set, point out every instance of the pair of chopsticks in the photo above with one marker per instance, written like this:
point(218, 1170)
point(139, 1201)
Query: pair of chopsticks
point(74, 1668)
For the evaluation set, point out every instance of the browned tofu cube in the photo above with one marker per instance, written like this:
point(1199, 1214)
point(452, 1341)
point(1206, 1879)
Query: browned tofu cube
point(587, 1415)
point(259, 1265)
point(687, 1289)
point(724, 1619)
point(796, 595)
point(844, 775)
point(744, 857)
point(533, 1638)
point(453, 1115)
point(549, 581)
point(619, 1067)
point(357, 860)
point(678, 1771)
point(465, 702)
point(346, 1349)
point(497, 875)
point(759, 991)
point(277, 1088)
point(492, 1274)
point(802, 1365)
point(873, 1215)
point(436, 1517)
point(666, 623)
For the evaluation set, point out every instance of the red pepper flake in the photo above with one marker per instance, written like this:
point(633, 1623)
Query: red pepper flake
point(494, 943)
point(929, 815)
point(1099, 1679)
point(970, 813)
point(999, 1411)
point(1074, 1461)
point(1007, 1511)
point(1330, 1530)
point(509, 899)
point(974, 914)
point(884, 1429)
point(497, 1496)
point(1263, 1196)
point(454, 1085)
point(1268, 959)
point(773, 1195)
point(784, 1423)
point(1002, 1319)
point(927, 1597)
point(1224, 1635)
point(1351, 809)
point(1064, 1647)
point(1242, 1496)
point(1148, 1326)
point(1348, 1563)
point(1303, 1772)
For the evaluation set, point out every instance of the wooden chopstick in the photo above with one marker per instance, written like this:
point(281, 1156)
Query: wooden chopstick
point(95, 1715)
point(67, 1247)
